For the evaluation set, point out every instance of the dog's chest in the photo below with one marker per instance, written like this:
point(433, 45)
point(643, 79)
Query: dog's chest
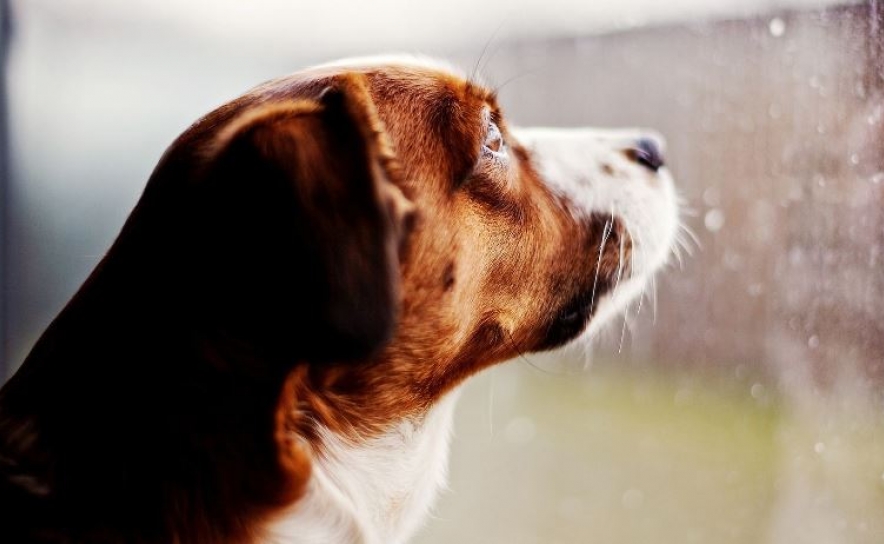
point(377, 491)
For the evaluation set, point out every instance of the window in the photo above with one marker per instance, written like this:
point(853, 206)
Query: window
point(740, 403)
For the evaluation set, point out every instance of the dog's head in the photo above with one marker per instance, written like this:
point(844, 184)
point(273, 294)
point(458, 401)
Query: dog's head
point(323, 257)
point(384, 222)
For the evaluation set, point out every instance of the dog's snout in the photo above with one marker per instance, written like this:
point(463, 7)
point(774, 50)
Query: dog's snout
point(648, 152)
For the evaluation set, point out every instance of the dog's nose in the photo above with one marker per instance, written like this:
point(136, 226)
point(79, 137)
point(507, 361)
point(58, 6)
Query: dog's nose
point(647, 152)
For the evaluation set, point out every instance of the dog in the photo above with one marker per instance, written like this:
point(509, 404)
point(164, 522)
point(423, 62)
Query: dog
point(272, 348)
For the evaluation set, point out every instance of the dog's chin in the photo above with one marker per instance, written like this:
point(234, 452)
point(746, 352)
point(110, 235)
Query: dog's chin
point(563, 331)
point(578, 329)
point(576, 319)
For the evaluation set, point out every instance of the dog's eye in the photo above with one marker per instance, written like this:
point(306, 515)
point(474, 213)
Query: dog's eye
point(494, 144)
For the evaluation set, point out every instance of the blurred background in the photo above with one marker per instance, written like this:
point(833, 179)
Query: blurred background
point(743, 402)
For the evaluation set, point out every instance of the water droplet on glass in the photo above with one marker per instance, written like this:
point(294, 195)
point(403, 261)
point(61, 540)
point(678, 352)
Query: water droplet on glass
point(813, 342)
point(757, 391)
point(877, 178)
point(854, 158)
point(875, 116)
point(777, 27)
point(819, 448)
point(860, 90)
point(732, 260)
point(714, 220)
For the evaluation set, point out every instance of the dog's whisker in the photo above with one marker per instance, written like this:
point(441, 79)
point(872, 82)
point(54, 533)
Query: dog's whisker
point(619, 259)
point(684, 244)
point(623, 328)
point(693, 236)
point(516, 77)
point(654, 298)
point(685, 207)
point(605, 233)
point(676, 250)
point(520, 355)
point(478, 67)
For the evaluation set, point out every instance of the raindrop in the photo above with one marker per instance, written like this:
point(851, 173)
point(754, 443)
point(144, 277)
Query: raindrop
point(819, 448)
point(860, 90)
point(757, 391)
point(714, 220)
point(813, 342)
point(777, 27)
point(877, 178)
point(732, 260)
point(854, 158)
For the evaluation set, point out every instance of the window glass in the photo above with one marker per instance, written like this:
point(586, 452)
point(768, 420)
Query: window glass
point(740, 402)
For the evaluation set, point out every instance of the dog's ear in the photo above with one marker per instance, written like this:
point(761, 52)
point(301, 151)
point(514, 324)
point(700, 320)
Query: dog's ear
point(299, 225)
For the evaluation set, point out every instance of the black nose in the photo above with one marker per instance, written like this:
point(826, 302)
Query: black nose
point(647, 153)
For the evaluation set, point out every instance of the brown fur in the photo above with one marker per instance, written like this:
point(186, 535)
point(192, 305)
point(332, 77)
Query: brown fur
point(330, 249)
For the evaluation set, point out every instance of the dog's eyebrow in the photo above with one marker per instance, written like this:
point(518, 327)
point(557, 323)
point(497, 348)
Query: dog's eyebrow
point(482, 92)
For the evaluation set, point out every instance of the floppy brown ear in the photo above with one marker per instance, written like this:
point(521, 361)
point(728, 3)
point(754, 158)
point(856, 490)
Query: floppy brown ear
point(297, 228)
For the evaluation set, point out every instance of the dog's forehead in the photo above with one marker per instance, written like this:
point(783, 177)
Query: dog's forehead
point(418, 63)
point(418, 72)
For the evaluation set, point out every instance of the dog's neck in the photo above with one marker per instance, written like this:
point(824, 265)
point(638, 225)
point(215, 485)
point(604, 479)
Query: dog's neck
point(373, 492)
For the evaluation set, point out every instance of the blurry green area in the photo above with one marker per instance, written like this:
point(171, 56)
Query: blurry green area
point(627, 455)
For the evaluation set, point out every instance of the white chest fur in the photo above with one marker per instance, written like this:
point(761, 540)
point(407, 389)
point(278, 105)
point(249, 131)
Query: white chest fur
point(374, 492)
